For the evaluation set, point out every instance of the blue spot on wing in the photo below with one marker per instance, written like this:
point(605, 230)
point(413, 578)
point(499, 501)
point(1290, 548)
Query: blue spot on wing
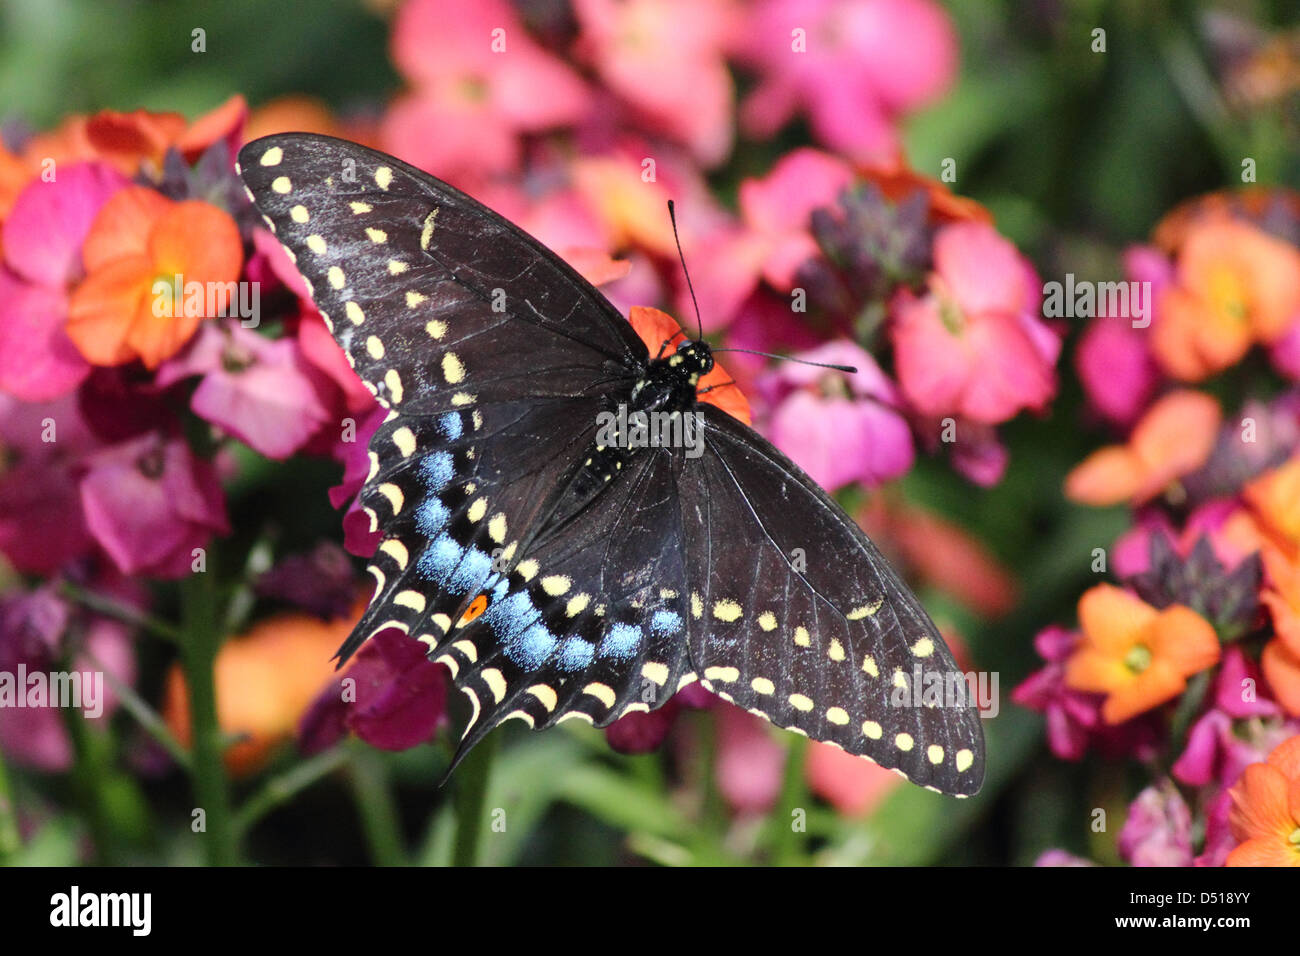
point(437, 469)
point(454, 567)
point(575, 654)
point(452, 425)
point(665, 623)
point(621, 642)
point(431, 517)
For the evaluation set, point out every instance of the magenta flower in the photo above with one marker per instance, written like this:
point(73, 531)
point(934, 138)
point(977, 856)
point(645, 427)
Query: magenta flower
point(32, 629)
point(1285, 352)
point(396, 698)
point(838, 427)
point(1114, 362)
point(149, 503)
point(852, 66)
point(358, 537)
point(682, 45)
point(1071, 715)
point(1158, 831)
point(260, 390)
point(1061, 858)
point(42, 240)
point(977, 454)
point(771, 241)
point(41, 525)
point(972, 345)
point(478, 83)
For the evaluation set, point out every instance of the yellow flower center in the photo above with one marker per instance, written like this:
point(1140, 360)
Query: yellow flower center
point(1138, 658)
point(1294, 838)
point(1228, 293)
point(950, 315)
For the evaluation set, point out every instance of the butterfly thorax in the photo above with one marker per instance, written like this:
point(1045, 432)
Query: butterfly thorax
point(670, 383)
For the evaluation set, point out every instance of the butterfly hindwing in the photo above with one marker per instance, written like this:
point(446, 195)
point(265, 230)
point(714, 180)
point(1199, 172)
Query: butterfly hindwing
point(593, 623)
point(795, 615)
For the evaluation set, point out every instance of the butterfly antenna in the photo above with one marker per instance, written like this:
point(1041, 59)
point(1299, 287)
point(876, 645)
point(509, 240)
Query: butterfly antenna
point(790, 358)
point(672, 215)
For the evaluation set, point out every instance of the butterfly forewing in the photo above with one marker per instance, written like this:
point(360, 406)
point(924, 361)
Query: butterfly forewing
point(438, 302)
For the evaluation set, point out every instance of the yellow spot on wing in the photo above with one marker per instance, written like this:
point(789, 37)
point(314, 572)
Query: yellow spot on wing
point(727, 610)
point(336, 278)
point(546, 695)
point(801, 636)
point(412, 599)
point(393, 494)
point(354, 313)
point(658, 673)
point(383, 177)
point(404, 439)
point(923, 648)
point(871, 729)
point(495, 682)
point(935, 753)
point(767, 621)
point(964, 760)
point(359, 207)
point(299, 214)
point(281, 184)
point(762, 685)
point(869, 666)
point(397, 551)
point(377, 236)
point(452, 368)
point(865, 610)
point(394, 383)
point(375, 347)
point(800, 702)
point(836, 651)
point(837, 715)
point(602, 692)
point(426, 232)
point(725, 674)
point(556, 584)
point(272, 156)
point(904, 742)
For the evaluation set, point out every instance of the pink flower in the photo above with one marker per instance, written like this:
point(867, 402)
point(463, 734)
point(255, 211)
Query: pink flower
point(478, 83)
point(358, 539)
point(850, 784)
point(149, 503)
point(838, 427)
point(1158, 831)
point(260, 390)
point(41, 525)
point(749, 761)
point(853, 66)
point(1285, 352)
point(771, 241)
point(42, 240)
point(666, 58)
point(397, 701)
point(971, 345)
point(1061, 858)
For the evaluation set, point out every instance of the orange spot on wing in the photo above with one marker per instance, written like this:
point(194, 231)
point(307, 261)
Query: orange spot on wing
point(475, 609)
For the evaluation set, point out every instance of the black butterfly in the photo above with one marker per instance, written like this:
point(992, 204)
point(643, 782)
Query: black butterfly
point(560, 577)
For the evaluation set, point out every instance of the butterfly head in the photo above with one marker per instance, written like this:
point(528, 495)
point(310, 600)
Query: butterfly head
point(694, 359)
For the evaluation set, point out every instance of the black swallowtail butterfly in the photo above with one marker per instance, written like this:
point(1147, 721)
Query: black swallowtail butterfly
point(559, 577)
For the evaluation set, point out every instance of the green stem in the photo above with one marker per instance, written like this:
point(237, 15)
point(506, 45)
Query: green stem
point(471, 801)
point(198, 659)
point(785, 842)
point(374, 800)
point(10, 840)
point(111, 607)
point(284, 787)
point(145, 716)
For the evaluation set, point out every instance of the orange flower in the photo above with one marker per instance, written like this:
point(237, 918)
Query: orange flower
point(850, 784)
point(294, 113)
point(1282, 671)
point(141, 238)
point(1137, 656)
point(1173, 439)
point(632, 212)
point(265, 681)
point(1275, 499)
point(1236, 285)
point(142, 138)
point(1265, 812)
point(656, 327)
